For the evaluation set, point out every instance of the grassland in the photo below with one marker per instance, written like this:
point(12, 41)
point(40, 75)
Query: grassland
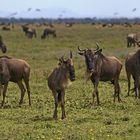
point(109, 121)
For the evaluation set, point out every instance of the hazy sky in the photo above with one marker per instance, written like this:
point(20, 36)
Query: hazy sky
point(99, 8)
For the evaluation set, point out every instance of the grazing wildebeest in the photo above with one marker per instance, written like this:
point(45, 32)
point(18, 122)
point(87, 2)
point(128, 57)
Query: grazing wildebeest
point(2, 46)
point(29, 32)
point(6, 28)
point(131, 39)
point(48, 32)
point(14, 70)
point(102, 68)
point(126, 24)
point(104, 24)
point(68, 24)
point(58, 81)
point(132, 67)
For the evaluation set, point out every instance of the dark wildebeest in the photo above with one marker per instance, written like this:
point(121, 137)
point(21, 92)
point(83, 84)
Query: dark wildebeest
point(48, 32)
point(131, 39)
point(132, 67)
point(14, 70)
point(58, 81)
point(2, 46)
point(29, 32)
point(6, 28)
point(102, 68)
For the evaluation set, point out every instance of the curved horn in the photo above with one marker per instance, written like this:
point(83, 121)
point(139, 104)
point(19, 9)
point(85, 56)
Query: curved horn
point(136, 41)
point(97, 46)
point(81, 49)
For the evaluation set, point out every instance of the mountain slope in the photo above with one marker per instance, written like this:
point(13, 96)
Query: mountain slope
point(42, 13)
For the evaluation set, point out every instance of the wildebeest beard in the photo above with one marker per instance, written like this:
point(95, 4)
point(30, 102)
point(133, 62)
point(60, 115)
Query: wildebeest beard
point(72, 72)
point(89, 64)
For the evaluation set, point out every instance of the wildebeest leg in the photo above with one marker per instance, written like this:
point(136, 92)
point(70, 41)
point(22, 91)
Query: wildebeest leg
point(28, 89)
point(128, 78)
point(128, 44)
point(117, 90)
point(55, 94)
point(4, 94)
point(1, 87)
point(63, 104)
point(93, 96)
point(135, 86)
point(22, 89)
point(96, 93)
point(138, 85)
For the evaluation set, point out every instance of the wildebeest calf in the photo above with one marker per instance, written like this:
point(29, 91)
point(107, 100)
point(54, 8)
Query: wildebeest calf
point(58, 81)
point(14, 70)
point(102, 68)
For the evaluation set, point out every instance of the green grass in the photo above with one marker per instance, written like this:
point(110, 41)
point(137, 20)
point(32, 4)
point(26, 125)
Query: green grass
point(115, 121)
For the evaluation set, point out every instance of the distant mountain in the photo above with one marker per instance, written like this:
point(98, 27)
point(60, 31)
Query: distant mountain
point(42, 13)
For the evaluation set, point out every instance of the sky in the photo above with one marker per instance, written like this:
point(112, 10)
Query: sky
point(83, 8)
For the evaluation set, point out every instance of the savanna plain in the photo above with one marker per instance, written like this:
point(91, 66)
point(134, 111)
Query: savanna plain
point(109, 121)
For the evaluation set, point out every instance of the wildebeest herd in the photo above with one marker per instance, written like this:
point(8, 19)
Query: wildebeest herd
point(99, 67)
point(31, 32)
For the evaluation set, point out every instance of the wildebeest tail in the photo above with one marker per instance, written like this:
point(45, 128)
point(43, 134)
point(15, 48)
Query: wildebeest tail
point(59, 95)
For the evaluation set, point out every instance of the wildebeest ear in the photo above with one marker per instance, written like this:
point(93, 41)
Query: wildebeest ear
point(81, 53)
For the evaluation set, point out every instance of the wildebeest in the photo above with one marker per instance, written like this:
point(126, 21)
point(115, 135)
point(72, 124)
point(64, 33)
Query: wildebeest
point(68, 24)
point(59, 80)
point(131, 39)
point(137, 43)
point(132, 67)
point(29, 32)
point(2, 46)
point(6, 28)
point(48, 32)
point(14, 70)
point(102, 68)
point(126, 24)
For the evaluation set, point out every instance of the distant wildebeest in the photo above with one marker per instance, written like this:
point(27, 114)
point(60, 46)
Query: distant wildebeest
point(68, 24)
point(102, 68)
point(48, 32)
point(6, 28)
point(131, 39)
point(51, 25)
point(2, 46)
point(29, 32)
point(14, 70)
point(59, 80)
point(132, 67)
point(104, 24)
point(126, 24)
